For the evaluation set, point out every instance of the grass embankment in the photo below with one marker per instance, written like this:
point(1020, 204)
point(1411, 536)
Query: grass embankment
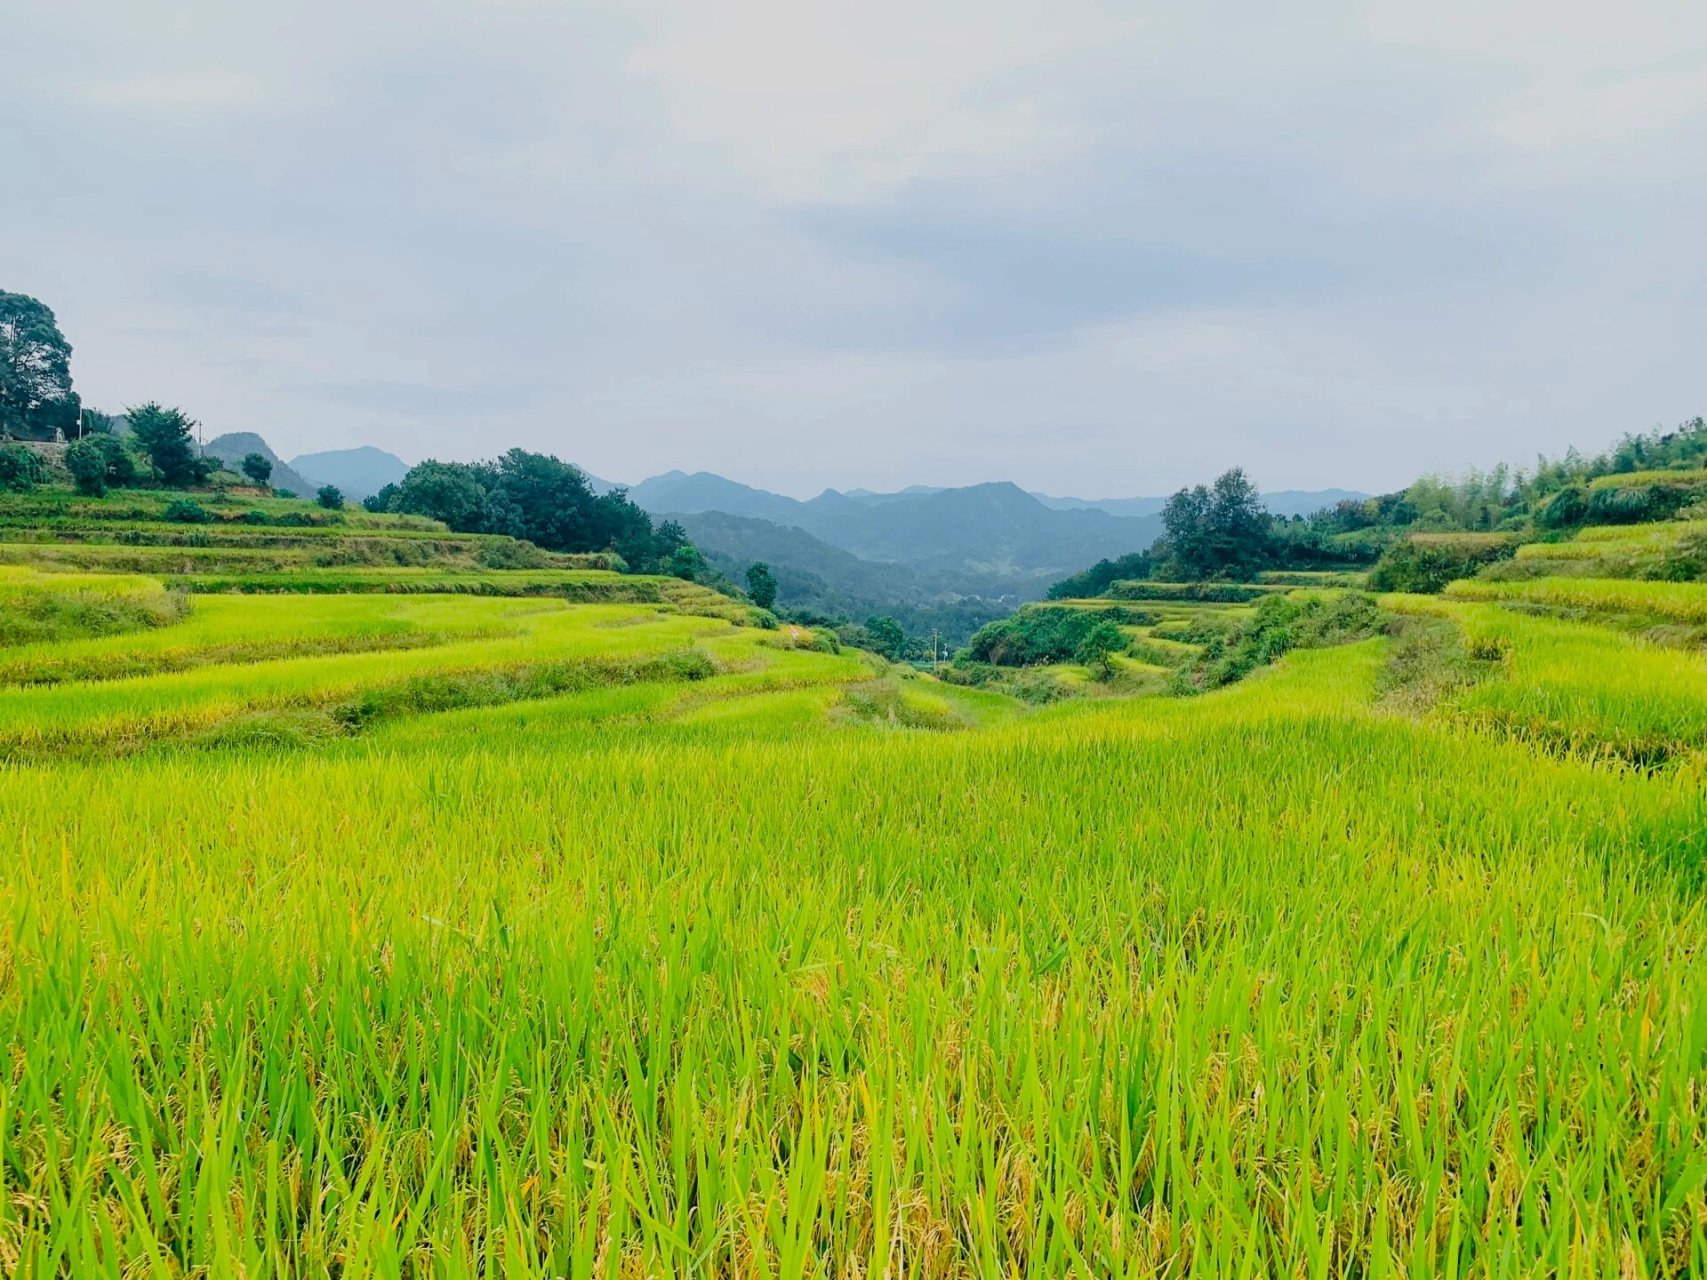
point(38, 608)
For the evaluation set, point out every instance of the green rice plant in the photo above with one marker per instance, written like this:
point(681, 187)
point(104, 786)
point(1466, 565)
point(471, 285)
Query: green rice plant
point(225, 630)
point(1258, 983)
point(1588, 691)
point(40, 608)
point(1674, 601)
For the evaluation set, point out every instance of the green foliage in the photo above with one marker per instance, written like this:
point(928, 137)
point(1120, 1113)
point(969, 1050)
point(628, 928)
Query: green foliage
point(761, 585)
point(1426, 563)
point(1217, 532)
point(259, 468)
point(1564, 509)
point(329, 497)
point(1102, 575)
point(385, 500)
point(37, 609)
point(1100, 644)
point(20, 469)
point(685, 563)
point(98, 463)
point(547, 502)
point(92, 422)
point(885, 637)
point(36, 399)
point(1282, 623)
point(165, 438)
point(187, 511)
point(1041, 634)
point(1197, 592)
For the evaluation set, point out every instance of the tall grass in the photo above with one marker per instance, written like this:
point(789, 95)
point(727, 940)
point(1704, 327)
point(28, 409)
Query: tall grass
point(1253, 985)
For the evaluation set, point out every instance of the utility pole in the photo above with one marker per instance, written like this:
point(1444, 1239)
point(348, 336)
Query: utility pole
point(936, 653)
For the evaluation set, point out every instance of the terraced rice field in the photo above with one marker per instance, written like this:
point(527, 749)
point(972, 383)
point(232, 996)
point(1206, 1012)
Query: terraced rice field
point(389, 934)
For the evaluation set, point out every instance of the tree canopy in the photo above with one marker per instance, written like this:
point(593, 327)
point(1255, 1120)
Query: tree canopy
point(164, 437)
point(545, 500)
point(761, 585)
point(259, 468)
point(36, 399)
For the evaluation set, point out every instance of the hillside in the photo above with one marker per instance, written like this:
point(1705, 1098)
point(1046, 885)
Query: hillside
point(1282, 502)
point(992, 540)
point(359, 472)
point(234, 446)
point(814, 576)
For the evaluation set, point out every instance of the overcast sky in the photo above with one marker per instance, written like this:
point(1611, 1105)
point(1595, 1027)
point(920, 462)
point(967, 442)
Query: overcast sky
point(1101, 249)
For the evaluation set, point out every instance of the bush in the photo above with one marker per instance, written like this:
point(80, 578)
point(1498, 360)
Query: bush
point(1426, 565)
point(1280, 624)
point(1564, 509)
point(1040, 634)
point(1639, 503)
point(20, 469)
point(99, 462)
point(330, 497)
point(186, 511)
point(1203, 592)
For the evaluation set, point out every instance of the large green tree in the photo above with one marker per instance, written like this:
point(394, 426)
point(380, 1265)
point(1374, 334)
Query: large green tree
point(36, 399)
point(1222, 530)
point(164, 436)
point(546, 501)
point(761, 585)
point(98, 463)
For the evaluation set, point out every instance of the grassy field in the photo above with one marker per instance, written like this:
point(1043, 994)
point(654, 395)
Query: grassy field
point(402, 934)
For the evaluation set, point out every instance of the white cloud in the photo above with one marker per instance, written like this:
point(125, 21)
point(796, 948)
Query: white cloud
point(1090, 246)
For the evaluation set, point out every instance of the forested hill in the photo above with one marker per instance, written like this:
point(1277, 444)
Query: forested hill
point(996, 536)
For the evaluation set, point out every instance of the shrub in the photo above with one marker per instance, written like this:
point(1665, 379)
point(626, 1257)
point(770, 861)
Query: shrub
point(1041, 634)
point(1425, 565)
point(1280, 624)
point(330, 497)
point(20, 469)
point(186, 511)
point(99, 462)
point(1563, 509)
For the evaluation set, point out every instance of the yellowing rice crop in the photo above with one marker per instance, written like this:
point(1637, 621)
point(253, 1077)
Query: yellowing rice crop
point(442, 935)
point(1677, 601)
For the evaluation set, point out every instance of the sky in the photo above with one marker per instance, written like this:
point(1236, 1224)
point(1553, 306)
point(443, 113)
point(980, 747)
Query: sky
point(1100, 249)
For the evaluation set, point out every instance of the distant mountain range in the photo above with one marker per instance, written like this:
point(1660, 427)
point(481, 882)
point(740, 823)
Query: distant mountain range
point(1283, 502)
point(360, 473)
point(948, 556)
point(992, 545)
point(234, 446)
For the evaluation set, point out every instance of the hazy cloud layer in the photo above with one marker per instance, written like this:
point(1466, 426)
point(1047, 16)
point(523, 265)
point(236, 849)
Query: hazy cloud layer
point(1095, 248)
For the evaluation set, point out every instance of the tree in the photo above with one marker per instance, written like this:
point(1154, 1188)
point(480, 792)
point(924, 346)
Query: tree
point(447, 491)
point(20, 469)
point(1222, 530)
point(330, 496)
point(381, 501)
point(885, 636)
point(99, 462)
point(685, 562)
point(1100, 644)
point(36, 400)
point(163, 435)
point(761, 585)
point(259, 468)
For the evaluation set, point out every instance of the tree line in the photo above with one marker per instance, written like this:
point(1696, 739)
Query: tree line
point(546, 501)
point(1223, 531)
